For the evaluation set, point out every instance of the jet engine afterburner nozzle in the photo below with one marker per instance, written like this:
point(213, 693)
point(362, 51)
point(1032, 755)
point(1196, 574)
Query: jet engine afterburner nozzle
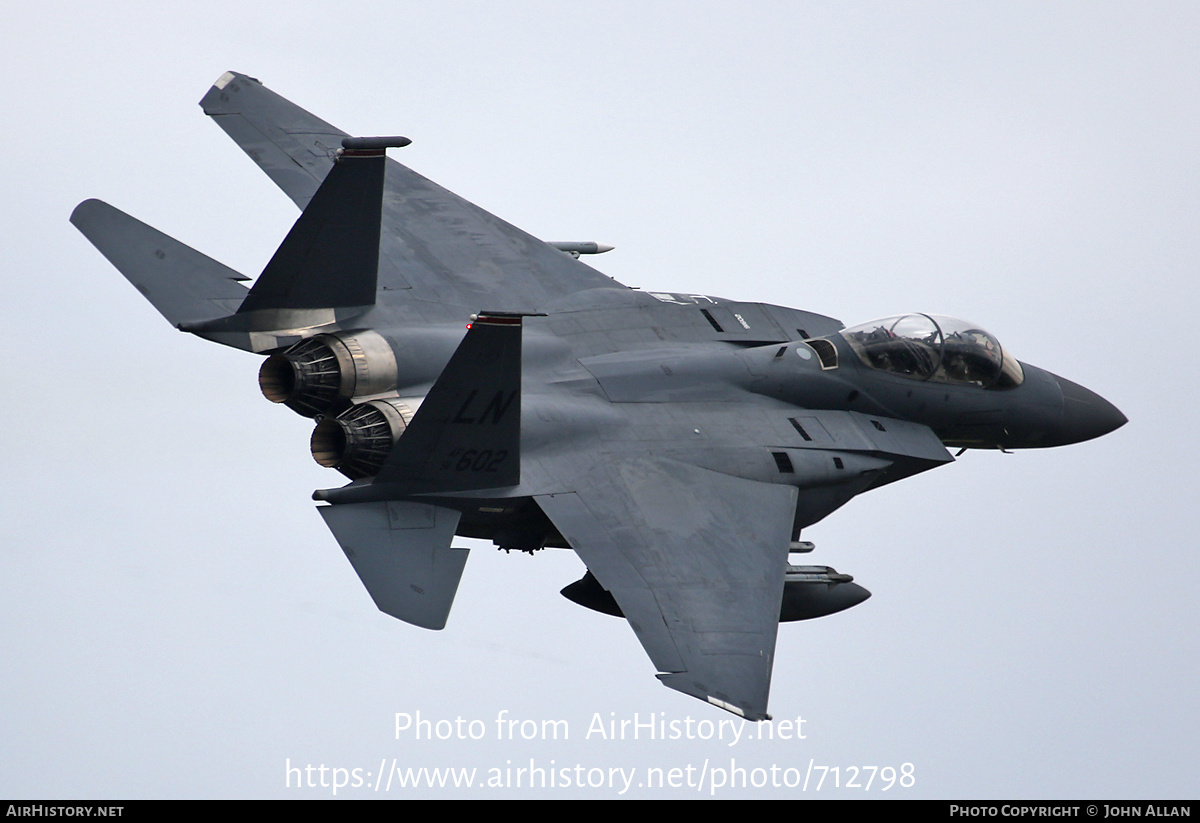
point(323, 374)
point(358, 440)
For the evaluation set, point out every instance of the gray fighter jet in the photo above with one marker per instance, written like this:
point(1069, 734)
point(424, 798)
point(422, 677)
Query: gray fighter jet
point(471, 379)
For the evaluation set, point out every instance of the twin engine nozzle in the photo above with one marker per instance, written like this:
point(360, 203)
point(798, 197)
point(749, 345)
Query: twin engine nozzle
point(322, 377)
point(358, 441)
point(323, 374)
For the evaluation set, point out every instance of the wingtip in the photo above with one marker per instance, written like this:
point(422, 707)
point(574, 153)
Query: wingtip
point(754, 709)
point(229, 76)
point(217, 100)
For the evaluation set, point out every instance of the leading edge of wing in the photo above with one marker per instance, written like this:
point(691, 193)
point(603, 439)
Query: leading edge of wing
point(696, 561)
point(435, 246)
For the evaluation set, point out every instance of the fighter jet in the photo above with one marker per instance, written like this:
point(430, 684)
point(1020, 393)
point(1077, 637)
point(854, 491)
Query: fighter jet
point(470, 379)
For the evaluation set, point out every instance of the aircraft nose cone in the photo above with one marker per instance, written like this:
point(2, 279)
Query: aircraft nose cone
point(1085, 414)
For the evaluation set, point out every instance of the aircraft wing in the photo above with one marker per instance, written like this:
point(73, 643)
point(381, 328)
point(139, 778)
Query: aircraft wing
point(435, 246)
point(696, 560)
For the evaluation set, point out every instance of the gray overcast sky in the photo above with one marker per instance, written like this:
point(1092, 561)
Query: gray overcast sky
point(178, 622)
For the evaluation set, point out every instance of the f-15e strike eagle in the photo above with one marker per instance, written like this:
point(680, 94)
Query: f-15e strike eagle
point(471, 379)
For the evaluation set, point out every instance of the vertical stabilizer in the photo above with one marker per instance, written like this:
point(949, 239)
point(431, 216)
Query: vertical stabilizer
point(330, 258)
point(467, 433)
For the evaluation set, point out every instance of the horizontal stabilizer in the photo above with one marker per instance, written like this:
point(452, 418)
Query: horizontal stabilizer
point(330, 258)
point(467, 433)
point(402, 553)
point(183, 284)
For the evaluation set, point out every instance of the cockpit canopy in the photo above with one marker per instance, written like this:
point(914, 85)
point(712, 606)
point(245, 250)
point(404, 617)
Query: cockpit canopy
point(935, 348)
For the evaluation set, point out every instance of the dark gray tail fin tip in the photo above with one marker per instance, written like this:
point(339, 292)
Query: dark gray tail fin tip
point(330, 258)
point(183, 284)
